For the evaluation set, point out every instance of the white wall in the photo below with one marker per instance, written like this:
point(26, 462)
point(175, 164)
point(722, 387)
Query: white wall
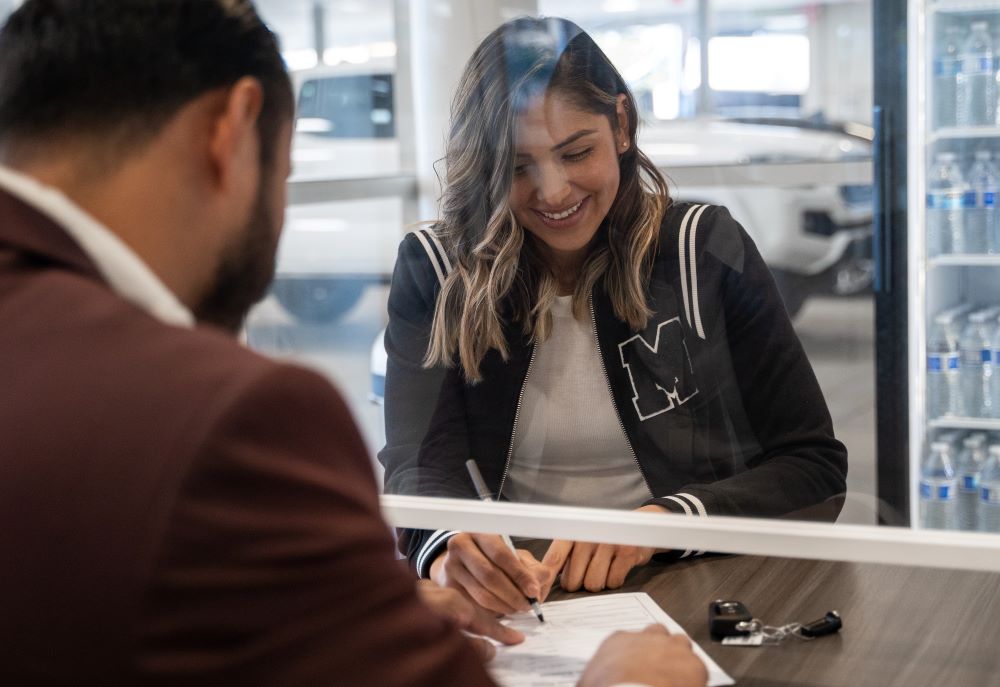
point(841, 62)
point(442, 35)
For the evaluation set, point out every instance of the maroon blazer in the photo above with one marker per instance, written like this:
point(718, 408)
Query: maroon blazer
point(177, 510)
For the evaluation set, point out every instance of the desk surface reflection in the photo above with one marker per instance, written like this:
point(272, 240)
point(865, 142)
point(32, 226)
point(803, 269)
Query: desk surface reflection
point(902, 626)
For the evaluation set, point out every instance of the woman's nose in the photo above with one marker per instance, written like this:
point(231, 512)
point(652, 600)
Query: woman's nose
point(552, 185)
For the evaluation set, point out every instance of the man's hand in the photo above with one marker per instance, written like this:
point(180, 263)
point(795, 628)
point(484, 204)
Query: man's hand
point(652, 657)
point(483, 567)
point(467, 616)
point(596, 566)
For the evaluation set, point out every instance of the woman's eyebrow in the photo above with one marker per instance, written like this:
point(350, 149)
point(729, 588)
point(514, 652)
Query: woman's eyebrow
point(568, 141)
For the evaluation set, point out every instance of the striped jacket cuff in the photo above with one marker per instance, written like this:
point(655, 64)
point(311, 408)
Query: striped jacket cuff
point(688, 504)
point(429, 550)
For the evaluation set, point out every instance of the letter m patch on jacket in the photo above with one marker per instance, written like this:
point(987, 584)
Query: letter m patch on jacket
point(661, 373)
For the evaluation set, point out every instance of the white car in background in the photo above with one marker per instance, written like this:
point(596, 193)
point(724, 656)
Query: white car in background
point(814, 235)
point(330, 253)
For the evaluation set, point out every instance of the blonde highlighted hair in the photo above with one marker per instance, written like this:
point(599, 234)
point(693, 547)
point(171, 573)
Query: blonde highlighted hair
point(500, 277)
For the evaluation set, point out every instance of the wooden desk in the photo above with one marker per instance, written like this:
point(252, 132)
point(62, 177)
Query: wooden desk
point(902, 626)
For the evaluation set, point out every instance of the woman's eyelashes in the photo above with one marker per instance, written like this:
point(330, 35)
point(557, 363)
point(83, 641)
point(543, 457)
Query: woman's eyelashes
point(574, 156)
point(578, 155)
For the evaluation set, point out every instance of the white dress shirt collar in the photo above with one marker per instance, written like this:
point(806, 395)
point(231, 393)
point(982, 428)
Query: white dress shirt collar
point(125, 271)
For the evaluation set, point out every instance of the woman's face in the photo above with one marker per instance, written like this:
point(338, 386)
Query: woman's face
point(565, 173)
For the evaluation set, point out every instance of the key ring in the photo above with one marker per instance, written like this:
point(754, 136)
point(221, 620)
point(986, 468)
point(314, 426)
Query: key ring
point(772, 634)
point(734, 624)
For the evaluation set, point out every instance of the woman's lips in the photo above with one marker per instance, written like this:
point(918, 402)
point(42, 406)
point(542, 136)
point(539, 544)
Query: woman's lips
point(563, 218)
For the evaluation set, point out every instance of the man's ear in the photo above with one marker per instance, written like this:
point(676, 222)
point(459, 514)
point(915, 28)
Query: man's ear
point(235, 146)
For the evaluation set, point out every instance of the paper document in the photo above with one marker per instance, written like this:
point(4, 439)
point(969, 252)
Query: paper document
point(555, 652)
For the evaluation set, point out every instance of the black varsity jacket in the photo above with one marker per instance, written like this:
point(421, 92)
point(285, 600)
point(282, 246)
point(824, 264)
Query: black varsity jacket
point(716, 397)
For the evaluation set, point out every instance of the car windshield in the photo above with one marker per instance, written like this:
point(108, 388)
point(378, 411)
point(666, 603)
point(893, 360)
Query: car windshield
point(349, 106)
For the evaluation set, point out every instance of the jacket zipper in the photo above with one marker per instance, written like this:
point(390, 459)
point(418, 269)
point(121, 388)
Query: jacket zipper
point(517, 414)
point(611, 393)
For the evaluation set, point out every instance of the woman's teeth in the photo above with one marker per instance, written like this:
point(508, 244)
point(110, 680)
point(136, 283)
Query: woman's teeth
point(564, 214)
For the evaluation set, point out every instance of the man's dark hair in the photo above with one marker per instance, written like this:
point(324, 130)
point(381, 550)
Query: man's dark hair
point(120, 69)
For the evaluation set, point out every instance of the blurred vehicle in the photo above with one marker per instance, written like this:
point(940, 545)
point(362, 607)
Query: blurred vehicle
point(345, 121)
point(345, 127)
point(814, 235)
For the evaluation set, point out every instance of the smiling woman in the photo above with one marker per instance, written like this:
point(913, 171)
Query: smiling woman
point(566, 179)
point(543, 114)
point(585, 339)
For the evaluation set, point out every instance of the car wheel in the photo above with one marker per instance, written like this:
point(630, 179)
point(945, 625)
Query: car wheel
point(318, 301)
point(794, 288)
point(854, 277)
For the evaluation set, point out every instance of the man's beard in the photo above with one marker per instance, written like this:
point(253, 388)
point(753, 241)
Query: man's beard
point(245, 270)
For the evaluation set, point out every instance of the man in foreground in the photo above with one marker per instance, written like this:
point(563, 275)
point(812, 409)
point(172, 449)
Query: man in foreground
point(175, 509)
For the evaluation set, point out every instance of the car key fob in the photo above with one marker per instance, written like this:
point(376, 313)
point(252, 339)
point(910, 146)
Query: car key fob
point(826, 625)
point(724, 617)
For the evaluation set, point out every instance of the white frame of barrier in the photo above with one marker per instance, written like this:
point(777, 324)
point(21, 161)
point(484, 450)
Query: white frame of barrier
point(782, 538)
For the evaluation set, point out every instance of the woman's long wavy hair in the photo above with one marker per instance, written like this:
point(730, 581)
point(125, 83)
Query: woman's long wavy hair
point(500, 275)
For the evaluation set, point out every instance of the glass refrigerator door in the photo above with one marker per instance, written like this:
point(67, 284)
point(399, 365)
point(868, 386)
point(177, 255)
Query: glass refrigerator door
point(954, 147)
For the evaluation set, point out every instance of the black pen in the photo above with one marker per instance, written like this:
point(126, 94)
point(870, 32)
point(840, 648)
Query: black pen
point(484, 494)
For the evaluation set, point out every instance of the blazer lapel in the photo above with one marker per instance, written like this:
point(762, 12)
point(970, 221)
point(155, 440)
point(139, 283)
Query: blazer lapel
point(25, 230)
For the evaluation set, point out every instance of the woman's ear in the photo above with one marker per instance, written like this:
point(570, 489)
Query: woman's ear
point(624, 133)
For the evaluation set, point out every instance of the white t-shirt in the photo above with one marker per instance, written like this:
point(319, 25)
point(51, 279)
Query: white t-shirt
point(569, 446)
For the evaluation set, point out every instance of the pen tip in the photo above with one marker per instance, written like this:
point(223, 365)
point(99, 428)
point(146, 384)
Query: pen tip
point(541, 618)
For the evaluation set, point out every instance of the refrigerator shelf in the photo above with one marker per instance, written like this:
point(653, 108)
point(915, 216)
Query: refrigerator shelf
point(965, 260)
point(948, 6)
point(953, 133)
point(954, 422)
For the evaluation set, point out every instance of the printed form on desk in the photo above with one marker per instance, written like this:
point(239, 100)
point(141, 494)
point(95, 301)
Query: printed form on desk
point(555, 652)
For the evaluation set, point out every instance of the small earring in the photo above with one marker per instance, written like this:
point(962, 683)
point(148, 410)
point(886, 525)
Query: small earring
point(624, 145)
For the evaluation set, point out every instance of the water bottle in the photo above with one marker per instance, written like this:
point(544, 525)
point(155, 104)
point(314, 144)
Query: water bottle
point(945, 194)
point(989, 492)
point(946, 64)
point(938, 488)
point(995, 378)
point(975, 83)
point(967, 469)
point(943, 389)
point(976, 364)
point(984, 389)
point(955, 319)
point(980, 205)
point(952, 437)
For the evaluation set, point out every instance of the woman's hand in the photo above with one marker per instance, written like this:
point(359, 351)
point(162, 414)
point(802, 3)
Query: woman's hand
point(596, 566)
point(483, 567)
